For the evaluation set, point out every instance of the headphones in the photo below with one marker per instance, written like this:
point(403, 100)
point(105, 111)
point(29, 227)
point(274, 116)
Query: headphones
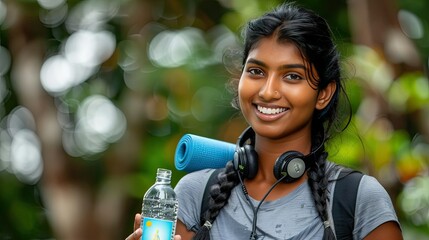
point(289, 166)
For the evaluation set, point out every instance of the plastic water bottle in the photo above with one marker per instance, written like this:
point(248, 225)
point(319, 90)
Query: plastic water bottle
point(159, 209)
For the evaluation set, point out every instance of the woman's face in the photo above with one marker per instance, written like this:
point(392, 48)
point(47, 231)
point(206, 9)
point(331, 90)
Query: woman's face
point(274, 93)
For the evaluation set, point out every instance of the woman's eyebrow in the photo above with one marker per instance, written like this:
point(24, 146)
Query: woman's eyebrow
point(285, 66)
point(293, 65)
point(257, 62)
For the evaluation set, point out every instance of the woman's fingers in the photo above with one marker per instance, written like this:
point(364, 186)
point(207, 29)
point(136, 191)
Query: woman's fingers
point(136, 235)
point(137, 221)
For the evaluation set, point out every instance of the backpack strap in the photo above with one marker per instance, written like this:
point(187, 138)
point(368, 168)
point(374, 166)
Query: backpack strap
point(344, 203)
point(206, 196)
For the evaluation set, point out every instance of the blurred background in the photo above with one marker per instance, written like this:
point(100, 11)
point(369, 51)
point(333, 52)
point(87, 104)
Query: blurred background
point(95, 95)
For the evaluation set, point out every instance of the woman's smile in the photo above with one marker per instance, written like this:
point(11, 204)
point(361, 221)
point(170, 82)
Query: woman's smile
point(270, 113)
point(270, 110)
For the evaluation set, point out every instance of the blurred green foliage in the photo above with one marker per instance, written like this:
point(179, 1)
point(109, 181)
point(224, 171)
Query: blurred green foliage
point(164, 102)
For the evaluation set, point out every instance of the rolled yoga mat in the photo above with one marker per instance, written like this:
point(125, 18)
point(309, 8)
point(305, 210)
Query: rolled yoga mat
point(195, 153)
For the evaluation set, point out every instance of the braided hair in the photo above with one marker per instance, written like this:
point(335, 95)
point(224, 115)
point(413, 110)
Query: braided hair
point(312, 36)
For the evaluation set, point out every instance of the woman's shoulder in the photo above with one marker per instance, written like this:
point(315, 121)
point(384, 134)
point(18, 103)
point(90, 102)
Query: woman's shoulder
point(372, 188)
point(373, 206)
point(194, 181)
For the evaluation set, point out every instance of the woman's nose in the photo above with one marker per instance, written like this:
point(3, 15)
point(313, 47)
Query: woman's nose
point(270, 89)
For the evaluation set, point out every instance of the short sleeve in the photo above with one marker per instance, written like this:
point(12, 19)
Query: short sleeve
point(189, 191)
point(373, 207)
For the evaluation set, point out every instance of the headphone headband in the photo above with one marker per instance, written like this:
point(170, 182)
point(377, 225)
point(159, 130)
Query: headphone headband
point(289, 166)
point(247, 134)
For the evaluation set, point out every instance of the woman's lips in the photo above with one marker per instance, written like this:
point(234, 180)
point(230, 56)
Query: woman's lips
point(270, 113)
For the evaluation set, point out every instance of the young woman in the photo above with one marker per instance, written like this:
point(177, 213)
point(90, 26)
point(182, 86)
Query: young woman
point(288, 92)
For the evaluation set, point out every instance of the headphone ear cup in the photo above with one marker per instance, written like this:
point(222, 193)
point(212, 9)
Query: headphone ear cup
point(252, 161)
point(246, 161)
point(239, 162)
point(291, 164)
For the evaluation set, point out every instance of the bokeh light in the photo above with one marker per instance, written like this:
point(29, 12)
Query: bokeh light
point(223, 40)
point(91, 15)
point(410, 24)
point(26, 157)
point(53, 15)
point(99, 123)
point(51, 4)
point(58, 75)
point(89, 48)
point(173, 48)
point(5, 60)
point(84, 51)
point(20, 118)
point(20, 150)
point(415, 200)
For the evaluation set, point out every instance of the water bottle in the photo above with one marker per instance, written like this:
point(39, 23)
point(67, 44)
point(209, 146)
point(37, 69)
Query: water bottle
point(159, 209)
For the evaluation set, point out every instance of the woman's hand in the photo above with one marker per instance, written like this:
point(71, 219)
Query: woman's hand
point(137, 234)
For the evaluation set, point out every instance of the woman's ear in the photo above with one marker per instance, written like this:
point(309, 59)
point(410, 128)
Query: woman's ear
point(325, 95)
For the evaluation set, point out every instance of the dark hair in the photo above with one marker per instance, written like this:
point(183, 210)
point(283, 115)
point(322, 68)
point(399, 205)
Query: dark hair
point(313, 37)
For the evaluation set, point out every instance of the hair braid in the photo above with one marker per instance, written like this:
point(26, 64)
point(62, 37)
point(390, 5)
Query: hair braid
point(318, 182)
point(219, 195)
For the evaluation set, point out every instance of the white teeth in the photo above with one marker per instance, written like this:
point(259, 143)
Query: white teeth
point(265, 110)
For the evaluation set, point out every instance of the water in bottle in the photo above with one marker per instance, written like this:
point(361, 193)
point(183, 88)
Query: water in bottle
point(159, 209)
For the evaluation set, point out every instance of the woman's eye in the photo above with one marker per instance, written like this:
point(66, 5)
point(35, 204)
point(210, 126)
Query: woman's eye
point(255, 71)
point(293, 77)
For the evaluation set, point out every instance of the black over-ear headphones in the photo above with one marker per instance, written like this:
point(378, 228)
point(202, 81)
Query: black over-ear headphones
point(291, 165)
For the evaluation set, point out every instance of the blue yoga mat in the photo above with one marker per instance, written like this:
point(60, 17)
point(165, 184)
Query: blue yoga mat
point(195, 153)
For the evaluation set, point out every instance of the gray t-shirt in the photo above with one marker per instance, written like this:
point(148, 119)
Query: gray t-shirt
point(291, 217)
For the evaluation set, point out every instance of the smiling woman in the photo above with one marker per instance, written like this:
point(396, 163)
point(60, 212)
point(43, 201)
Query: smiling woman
point(280, 182)
point(288, 92)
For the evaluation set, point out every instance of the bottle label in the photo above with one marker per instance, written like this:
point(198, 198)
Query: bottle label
point(157, 229)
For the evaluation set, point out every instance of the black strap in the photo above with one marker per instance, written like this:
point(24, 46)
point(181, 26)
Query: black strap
point(344, 203)
point(206, 196)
